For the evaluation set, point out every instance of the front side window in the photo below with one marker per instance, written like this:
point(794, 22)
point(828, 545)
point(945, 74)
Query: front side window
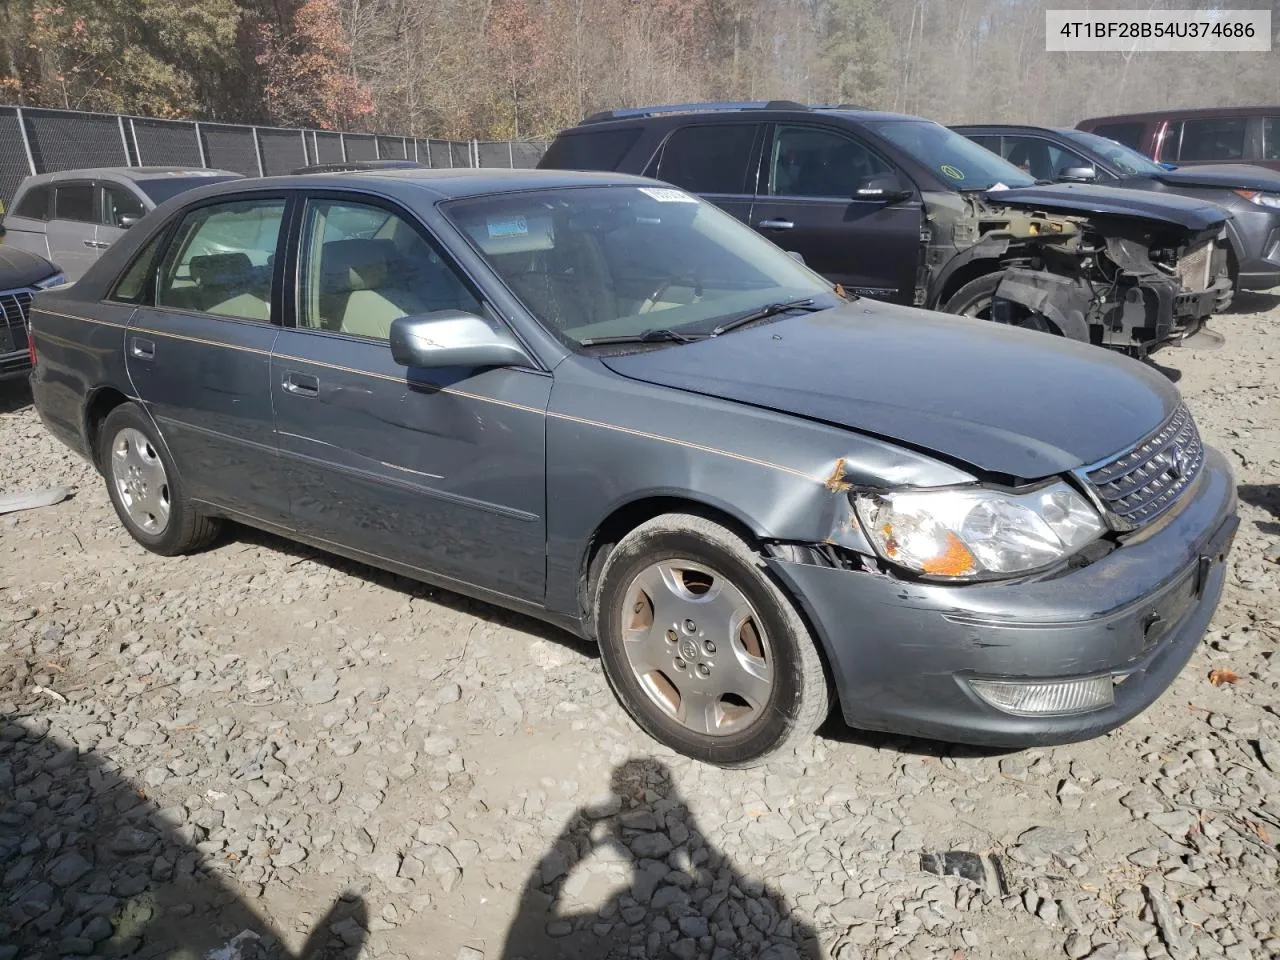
point(1271, 138)
point(221, 260)
point(1217, 138)
point(595, 262)
point(1040, 158)
point(74, 201)
point(117, 204)
point(955, 159)
point(35, 205)
point(809, 162)
point(709, 159)
point(363, 266)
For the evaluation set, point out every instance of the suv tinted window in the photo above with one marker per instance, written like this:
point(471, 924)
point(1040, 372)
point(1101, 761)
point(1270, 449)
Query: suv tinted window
point(117, 203)
point(602, 150)
point(1039, 157)
point(74, 201)
point(221, 260)
point(808, 162)
point(1130, 134)
point(1216, 138)
point(709, 159)
point(362, 267)
point(1271, 138)
point(34, 205)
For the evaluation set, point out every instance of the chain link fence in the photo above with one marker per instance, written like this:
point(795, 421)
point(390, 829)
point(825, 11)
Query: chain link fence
point(37, 140)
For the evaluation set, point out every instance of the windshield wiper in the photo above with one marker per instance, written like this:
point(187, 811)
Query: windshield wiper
point(764, 313)
point(660, 335)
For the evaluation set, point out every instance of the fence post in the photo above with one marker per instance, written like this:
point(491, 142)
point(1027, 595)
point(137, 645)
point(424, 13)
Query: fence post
point(204, 161)
point(342, 142)
point(377, 148)
point(123, 140)
point(305, 159)
point(511, 155)
point(26, 143)
point(475, 154)
point(257, 151)
point(133, 135)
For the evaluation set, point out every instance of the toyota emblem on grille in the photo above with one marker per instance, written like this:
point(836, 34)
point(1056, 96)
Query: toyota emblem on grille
point(1177, 461)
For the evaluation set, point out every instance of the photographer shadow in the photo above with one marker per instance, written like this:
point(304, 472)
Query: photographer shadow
point(90, 867)
point(643, 875)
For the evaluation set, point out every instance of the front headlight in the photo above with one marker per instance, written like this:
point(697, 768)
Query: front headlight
point(1262, 199)
point(972, 533)
point(57, 280)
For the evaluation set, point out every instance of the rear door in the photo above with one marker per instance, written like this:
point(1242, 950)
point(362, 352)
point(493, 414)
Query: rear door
point(198, 351)
point(72, 230)
point(717, 161)
point(807, 204)
point(442, 470)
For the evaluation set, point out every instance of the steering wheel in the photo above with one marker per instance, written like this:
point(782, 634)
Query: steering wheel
point(653, 299)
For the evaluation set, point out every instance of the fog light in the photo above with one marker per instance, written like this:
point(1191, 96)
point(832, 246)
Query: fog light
point(1047, 698)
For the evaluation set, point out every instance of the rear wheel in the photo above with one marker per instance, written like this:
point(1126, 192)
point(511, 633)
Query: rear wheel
point(701, 646)
point(975, 297)
point(145, 489)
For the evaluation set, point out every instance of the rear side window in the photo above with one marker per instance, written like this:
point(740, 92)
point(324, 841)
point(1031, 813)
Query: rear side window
point(1130, 134)
point(1271, 138)
point(134, 283)
point(74, 201)
point(1216, 138)
point(602, 150)
point(709, 159)
point(34, 205)
point(221, 260)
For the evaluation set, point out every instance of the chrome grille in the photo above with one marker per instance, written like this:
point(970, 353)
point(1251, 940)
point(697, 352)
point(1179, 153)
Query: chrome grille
point(1194, 267)
point(15, 307)
point(1139, 485)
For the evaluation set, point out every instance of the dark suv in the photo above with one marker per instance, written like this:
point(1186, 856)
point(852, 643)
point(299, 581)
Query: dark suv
point(1251, 194)
point(902, 209)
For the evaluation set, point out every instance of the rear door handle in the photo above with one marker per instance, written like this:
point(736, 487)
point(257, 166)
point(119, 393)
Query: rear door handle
point(142, 349)
point(300, 384)
point(775, 225)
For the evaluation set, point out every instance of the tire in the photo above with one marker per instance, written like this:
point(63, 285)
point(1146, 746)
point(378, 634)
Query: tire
point(145, 488)
point(974, 300)
point(764, 688)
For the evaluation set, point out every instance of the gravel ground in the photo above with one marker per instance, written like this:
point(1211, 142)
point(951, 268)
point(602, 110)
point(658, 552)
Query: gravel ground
point(264, 751)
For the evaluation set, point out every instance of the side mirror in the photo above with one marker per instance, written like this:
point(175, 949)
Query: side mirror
point(796, 255)
point(1077, 174)
point(127, 221)
point(885, 187)
point(452, 338)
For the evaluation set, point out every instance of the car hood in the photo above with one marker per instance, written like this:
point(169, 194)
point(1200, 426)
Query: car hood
point(1241, 176)
point(1195, 215)
point(1004, 400)
point(21, 269)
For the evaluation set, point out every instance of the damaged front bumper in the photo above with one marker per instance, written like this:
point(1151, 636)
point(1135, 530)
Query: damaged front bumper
point(904, 654)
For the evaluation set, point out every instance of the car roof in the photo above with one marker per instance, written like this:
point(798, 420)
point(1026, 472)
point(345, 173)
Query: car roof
point(680, 113)
point(410, 182)
point(128, 173)
point(1189, 114)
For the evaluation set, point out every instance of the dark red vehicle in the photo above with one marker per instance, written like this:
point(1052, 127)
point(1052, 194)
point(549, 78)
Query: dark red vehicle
point(1185, 137)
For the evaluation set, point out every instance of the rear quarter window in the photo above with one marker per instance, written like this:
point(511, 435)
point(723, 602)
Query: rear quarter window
point(1130, 134)
point(34, 204)
point(602, 150)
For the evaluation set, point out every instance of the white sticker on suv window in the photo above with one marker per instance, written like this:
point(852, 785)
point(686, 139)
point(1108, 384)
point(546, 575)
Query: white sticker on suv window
point(511, 227)
point(667, 195)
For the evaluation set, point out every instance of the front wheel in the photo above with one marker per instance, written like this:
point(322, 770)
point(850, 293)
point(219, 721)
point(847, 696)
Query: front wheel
point(974, 299)
point(703, 649)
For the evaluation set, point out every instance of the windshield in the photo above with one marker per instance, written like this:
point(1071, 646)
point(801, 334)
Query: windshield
point(958, 161)
point(596, 262)
point(160, 189)
point(1125, 159)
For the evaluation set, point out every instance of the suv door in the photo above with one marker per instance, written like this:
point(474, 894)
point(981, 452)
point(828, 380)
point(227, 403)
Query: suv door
point(441, 470)
point(120, 209)
point(198, 349)
point(717, 161)
point(807, 203)
point(72, 230)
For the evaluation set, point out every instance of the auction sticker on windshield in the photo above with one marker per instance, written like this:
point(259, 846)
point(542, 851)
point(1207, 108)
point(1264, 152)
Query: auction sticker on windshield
point(953, 172)
point(667, 195)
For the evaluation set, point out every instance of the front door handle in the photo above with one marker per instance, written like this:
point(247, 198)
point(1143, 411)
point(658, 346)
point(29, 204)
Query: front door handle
point(142, 349)
point(775, 225)
point(301, 384)
point(95, 244)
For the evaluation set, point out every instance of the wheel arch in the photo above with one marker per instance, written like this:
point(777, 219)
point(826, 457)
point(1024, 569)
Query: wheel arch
point(964, 269)
point(97, 407)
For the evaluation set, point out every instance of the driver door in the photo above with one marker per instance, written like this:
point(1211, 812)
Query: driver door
point(441, 470)
point(807, 204)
